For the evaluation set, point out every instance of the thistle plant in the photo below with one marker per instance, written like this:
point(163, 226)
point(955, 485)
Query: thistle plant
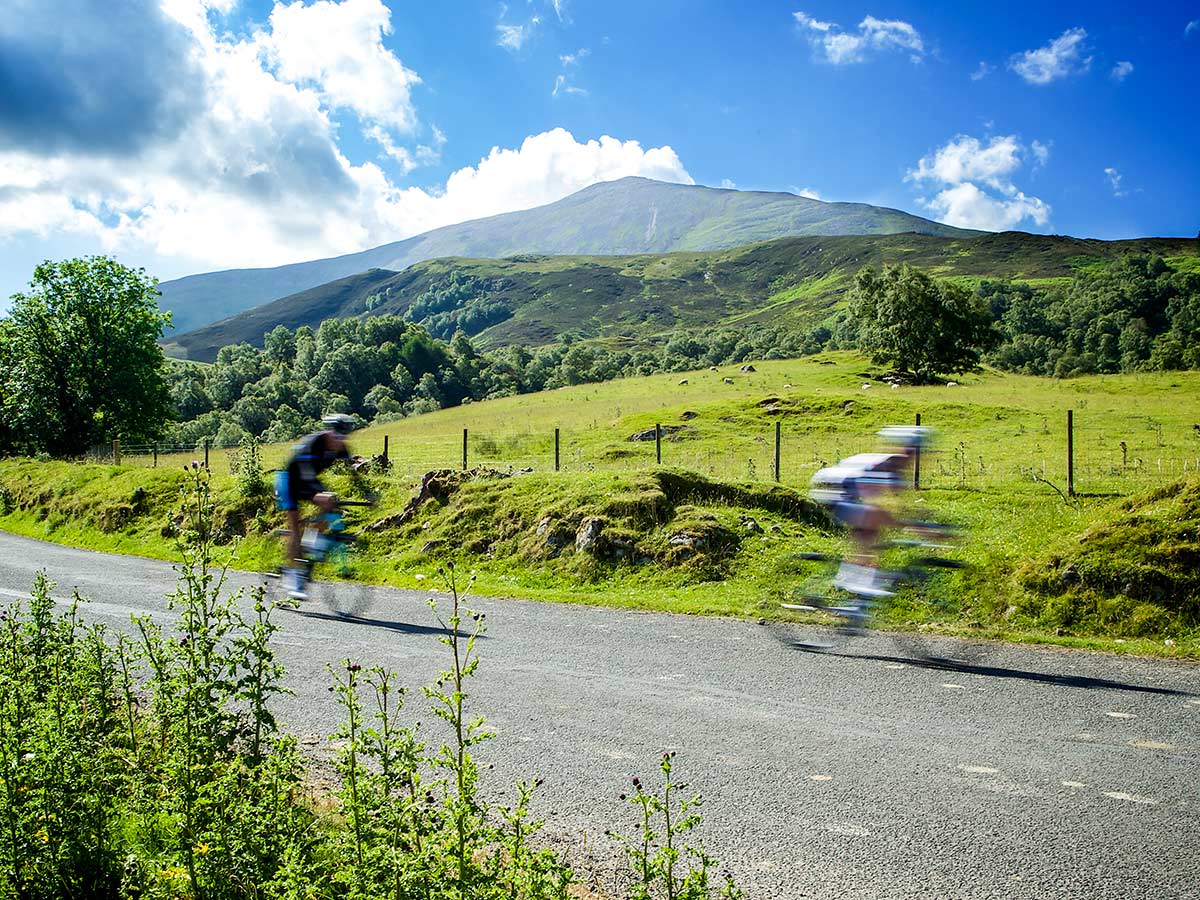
point(664, 866)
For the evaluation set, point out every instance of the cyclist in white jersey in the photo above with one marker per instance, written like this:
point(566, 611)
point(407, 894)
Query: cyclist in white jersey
point(854, 490)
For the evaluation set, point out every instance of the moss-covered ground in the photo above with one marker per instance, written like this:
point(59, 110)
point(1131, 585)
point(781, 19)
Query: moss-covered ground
point(710, 531)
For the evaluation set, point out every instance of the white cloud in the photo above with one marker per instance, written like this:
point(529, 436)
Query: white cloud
point(1114, 181)
point(1062, 57)
point(562, 85)
point(512, 37)
point(728, 184)
point(841, 47)
point(809, 193)
point(573, 59)
point(967, 206)
point(1121, 70)
point(338, 47)
point(560, 9)
point(1191, 26)
point(254, 176)
point(976, 184)
point(983, 71)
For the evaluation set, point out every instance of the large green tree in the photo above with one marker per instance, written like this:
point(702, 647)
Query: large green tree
point(84, 365)
point(920, 325)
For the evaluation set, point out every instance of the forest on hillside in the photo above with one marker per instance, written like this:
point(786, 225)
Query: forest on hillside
point(1138, 313)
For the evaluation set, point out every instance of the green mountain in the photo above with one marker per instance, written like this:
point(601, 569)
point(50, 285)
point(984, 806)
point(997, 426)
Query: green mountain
point(632, 215)
point(533, 299)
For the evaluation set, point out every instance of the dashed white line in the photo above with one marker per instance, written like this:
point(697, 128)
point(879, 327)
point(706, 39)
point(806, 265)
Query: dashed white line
point(820, 778)
point(1120, 715)
point(1074, 784)
point(1152, 745)
point(980, 770)
point(1130, 798)
point(954, 687)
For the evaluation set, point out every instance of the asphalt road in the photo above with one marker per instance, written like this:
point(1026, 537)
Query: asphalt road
point(867, 773)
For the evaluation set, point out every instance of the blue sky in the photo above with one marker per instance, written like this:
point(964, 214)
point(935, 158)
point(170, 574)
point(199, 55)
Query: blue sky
point(193, 135)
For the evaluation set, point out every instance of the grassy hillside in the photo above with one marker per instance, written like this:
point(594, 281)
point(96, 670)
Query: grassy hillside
point(533, 299)
point(631, 215)
point(677, 537)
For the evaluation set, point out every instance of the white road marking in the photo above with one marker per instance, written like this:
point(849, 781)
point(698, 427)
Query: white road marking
point(1130, 798)
point(1152, 745)
point(895, 666)
point(820, 778)
point(980, 770)
point(1074, 784)
point(954, 687)
point(1121, 715)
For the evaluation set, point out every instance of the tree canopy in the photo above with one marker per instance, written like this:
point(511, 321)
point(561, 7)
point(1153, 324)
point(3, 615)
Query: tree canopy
point(81, 358)
point(921, 326)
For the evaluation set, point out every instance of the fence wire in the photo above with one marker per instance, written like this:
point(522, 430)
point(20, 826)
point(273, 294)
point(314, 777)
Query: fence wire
point(1111, 454)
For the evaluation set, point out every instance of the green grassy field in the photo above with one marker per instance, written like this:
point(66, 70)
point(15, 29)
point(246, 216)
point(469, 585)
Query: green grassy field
point(1035, 573)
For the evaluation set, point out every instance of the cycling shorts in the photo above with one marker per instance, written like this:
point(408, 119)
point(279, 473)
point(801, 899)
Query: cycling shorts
point(290, 490)
point(852, 514)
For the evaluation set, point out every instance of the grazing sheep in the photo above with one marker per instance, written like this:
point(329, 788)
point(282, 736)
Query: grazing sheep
point(866, 387)
point(727, 380)
point(683, 381)
point(951, 384)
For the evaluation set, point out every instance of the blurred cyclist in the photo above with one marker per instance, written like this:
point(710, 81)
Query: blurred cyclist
point(854, 490)
point(298, 481)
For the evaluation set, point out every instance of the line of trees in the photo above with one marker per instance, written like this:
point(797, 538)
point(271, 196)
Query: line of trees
point(80, 362)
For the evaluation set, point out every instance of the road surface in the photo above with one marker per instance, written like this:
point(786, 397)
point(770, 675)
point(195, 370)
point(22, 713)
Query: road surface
point(1029, 773)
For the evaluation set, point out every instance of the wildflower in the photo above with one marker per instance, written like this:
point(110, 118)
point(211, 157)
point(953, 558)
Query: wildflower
point(637, 783)
point(202, 849)
point(419, 577)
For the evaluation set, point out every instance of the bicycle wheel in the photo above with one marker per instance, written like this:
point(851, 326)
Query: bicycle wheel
point(335, 586)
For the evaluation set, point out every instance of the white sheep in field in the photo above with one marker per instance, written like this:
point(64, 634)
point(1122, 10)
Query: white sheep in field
point(894, 385)
point(683, 381)
point(727, 380)
point(866, 387)
point(951, 384)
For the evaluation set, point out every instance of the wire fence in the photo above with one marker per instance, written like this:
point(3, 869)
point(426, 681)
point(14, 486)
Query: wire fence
point(1102, 455)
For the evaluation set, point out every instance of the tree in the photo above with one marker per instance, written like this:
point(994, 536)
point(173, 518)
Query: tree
point(85, 365)
point(921, 326)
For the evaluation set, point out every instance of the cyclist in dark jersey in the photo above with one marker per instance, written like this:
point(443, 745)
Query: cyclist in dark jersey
point(298, 480)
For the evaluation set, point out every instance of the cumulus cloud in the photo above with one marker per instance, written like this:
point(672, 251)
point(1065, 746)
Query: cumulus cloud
point(1121, 70)
point(809, 193)
point(1061, 58)
point(841, 47)
point(338, 48)
point(253, 174)
point(131, 80)
point(974, 182)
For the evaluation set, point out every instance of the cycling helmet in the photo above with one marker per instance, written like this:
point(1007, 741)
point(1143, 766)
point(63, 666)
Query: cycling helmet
point(910, 437)
point(339, 423)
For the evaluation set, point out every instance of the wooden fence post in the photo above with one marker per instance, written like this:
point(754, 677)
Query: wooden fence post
point(777, 429)
point(385, 451)
point(917, 462)
point(464, 448)
point(116, 452)
point(1070, 453)
point(658, 443)
point(555, 449)
point(154, 450)
point(206, 442)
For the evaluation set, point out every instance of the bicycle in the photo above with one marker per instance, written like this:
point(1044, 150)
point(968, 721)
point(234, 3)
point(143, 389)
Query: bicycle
point(856, 612)
point(328, 562)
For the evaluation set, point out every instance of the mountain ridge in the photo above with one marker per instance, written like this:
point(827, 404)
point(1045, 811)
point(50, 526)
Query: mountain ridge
point(533, 299)
point(626, 216)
